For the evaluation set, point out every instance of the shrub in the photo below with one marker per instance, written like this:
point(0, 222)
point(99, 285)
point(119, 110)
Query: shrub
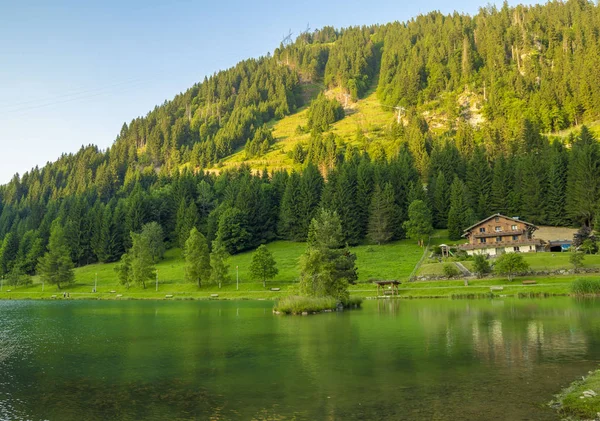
point(585, 286)
point(481, 265)
point(296, 304)
point(450, 270)
point(510, 264)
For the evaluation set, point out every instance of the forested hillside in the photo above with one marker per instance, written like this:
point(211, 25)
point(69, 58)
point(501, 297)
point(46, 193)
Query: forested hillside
point(476, 92)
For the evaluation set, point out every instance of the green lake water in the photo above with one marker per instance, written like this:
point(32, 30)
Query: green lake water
point(397, 360)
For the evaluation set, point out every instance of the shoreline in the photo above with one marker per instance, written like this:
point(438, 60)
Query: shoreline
point(486, 288)
point(580, 400)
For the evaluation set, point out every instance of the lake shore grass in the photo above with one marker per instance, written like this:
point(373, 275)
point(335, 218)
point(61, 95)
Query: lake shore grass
point(581, 399)
point(170, 290)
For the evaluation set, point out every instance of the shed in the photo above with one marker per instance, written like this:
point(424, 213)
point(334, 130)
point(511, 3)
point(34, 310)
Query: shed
point(393, 285)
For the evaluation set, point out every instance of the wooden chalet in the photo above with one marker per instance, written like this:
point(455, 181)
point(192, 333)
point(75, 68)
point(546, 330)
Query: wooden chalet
point(498, 234)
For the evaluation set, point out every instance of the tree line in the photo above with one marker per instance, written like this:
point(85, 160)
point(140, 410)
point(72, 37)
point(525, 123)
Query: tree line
point(542, 182)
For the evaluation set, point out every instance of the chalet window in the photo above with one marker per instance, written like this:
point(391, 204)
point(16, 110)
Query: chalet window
point(498, 239)
point(516, 249)
point(498, 229)
point(515, 237)
point(514, 227)
point(482, 240)
point(481, 229)
point(497, 219)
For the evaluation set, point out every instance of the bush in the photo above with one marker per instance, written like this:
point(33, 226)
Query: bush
point(297, 305)
point(450, 270)
point(585, 286)
point(481, 265)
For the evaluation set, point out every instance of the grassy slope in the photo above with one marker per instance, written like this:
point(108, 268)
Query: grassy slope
point(391, 261)
point(366, 114)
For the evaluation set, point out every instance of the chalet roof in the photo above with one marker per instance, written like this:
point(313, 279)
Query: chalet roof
point(502, 216)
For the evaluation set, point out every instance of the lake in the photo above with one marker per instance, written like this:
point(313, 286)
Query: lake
point(235, 360)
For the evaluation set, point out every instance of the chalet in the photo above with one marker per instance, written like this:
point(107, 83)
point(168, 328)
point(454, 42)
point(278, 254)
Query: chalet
point(500, 234)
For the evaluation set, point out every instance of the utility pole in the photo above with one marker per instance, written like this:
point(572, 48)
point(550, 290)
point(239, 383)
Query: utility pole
point(400, 112)
point(346, 103)
point(237, 278)
point(156, 279)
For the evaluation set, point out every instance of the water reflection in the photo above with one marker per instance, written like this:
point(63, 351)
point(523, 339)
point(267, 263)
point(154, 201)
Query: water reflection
point(395, 359)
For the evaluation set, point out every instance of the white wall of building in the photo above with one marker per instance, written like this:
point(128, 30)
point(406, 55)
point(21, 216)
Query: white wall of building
point(493, 252)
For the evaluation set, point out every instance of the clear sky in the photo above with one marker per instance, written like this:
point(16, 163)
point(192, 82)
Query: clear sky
point(71, 72)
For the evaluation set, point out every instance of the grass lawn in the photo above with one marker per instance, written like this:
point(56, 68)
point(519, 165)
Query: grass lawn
point(391, 261)
point(537, 262)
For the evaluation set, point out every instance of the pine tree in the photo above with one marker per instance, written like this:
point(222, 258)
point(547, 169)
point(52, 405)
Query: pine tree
point(189, 221)
point(479, 183)
point(56, 266)
point(441, 201)
point(233, 233)
point(290, 225)
point(460, 215)
point(556, 191)
point(419, 226)
point(381, 219)
point(364, 189)
point(583, 181)
point(311, 185)
point(197, 258)
point(8, 253)
point(501, 187)
point(346, 205)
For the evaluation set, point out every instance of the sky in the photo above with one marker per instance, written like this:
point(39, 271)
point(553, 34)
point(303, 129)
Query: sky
point(72, 72)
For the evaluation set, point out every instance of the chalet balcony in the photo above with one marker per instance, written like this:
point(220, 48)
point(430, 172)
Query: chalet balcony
point(499, 234)
point(493, 244)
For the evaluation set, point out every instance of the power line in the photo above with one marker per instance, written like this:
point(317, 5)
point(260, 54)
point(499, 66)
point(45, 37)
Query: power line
point(72, 99)
point(69, 94)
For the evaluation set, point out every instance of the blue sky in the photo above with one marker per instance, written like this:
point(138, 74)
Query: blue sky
point(71, 72)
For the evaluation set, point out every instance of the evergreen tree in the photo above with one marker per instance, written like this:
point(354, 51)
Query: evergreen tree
point(364, 191)
point(460, 215)
point(311, 185)
point(263, 265)
point(8, 253)
point(583, 182)
point(557, 180)
point(290, 225)
point(441, 201)
point(197, 258)
point(56, 266)
point(233, 234)
point(326, 267)
point(381, 219)
point(346, 203)
point(419, 226)
point(479, 184)
point(153, 232)
point(501, 187)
